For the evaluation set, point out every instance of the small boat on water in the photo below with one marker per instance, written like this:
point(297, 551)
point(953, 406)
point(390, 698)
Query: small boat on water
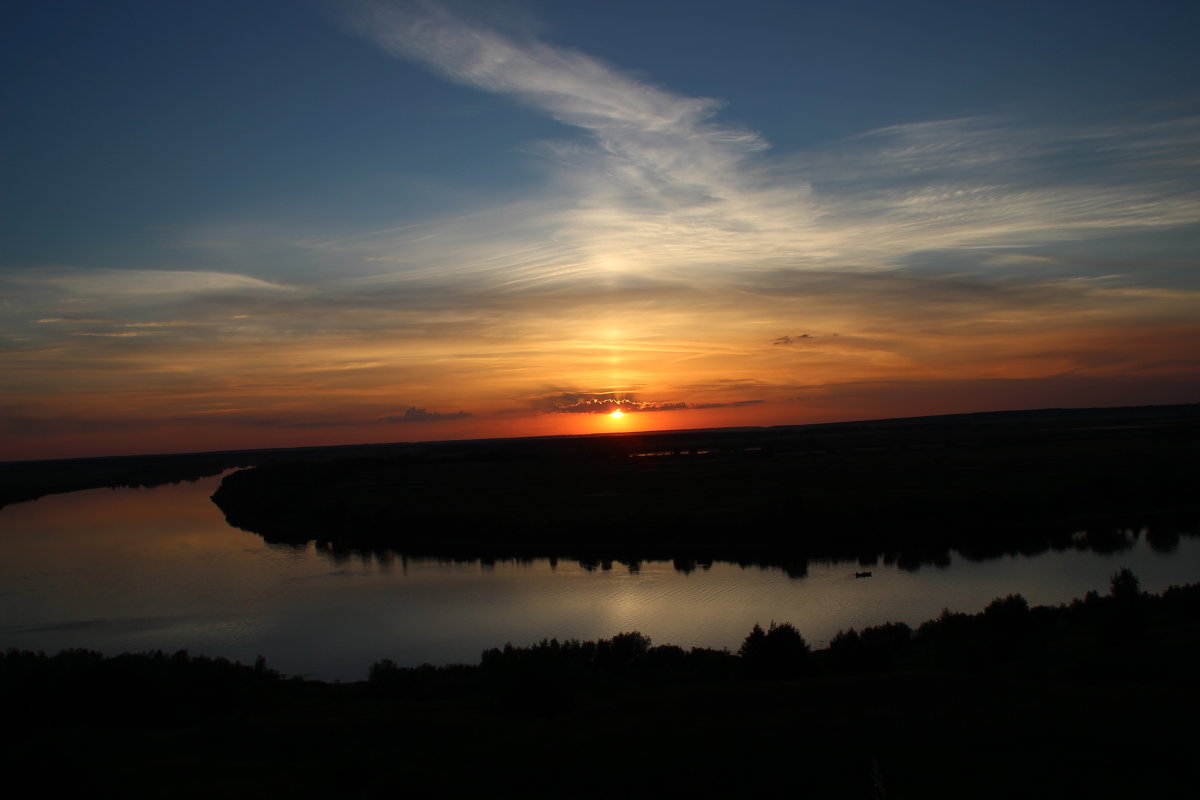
point(862, 574)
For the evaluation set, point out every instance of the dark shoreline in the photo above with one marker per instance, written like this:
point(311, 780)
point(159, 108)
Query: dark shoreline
point(1095, 698)
point(908, 491)
point(22, 481)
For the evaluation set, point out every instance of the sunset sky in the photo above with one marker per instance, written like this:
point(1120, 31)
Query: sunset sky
point(269, 223)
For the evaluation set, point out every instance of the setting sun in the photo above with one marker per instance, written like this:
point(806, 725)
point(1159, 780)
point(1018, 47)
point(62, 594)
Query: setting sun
point(617, 414)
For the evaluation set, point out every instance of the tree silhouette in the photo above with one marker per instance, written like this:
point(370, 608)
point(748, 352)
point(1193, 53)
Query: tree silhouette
point(778, 652)
point(1124, 585)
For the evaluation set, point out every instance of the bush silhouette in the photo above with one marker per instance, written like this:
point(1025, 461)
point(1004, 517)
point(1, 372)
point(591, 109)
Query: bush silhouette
point(778, 652)
point(1127, 620)
point(1124, 585)
point(873, 650)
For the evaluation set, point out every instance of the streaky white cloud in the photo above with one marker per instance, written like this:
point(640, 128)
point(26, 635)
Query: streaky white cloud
point(659, 187)
point(992, 182)
point(573, 87)
point(47, 304)
point(659, 180)
point(136, 283)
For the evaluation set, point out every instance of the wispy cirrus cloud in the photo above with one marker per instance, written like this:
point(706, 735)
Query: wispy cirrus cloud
point(665, 247)
point(993, 183)
point(659, 184)
point(132, 285)
point(660, 190)
point(658, 178)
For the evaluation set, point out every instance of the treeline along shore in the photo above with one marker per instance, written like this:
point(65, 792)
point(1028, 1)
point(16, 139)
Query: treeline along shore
point(983, 484)
point(1092, 699)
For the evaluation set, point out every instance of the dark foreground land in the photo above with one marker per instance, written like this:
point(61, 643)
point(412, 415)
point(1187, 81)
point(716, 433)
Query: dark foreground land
point(909, 490)
point(1097, 699)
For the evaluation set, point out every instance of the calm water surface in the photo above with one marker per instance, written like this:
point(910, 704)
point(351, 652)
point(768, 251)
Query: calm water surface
point(138, 569)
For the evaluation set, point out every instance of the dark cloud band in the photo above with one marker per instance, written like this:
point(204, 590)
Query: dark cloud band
point(608, 402)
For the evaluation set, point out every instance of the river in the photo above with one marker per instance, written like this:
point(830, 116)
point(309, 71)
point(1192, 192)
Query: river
point(129, 570)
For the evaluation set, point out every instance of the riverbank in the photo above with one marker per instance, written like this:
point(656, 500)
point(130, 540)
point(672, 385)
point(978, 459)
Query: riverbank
point(909, 490)
point(1094, 698)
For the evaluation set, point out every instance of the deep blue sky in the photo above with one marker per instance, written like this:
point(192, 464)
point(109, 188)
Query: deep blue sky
point(126, 114)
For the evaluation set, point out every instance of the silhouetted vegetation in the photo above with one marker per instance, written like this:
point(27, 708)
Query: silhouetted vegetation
point(153, 689)
point(982, 705)
point(778, 652)
point(977, 705)
point(873, 650)
point(906, 491)
point(1005, 634)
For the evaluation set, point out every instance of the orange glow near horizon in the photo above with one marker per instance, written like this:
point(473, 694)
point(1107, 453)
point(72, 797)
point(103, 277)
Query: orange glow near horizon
point(162, 395)
point(656, 264)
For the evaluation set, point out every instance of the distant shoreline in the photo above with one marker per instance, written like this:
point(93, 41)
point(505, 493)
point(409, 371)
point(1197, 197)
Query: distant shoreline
point(25, 480)
point(982, 484)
